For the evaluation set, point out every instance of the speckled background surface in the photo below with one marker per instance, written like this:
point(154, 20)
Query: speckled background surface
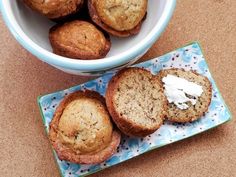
point(25, 150)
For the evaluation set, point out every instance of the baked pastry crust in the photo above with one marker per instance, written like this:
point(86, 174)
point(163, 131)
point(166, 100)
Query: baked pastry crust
point(128, 125)
point(83, 139)
point(55, 9)
point(196, 111)
point(136, 27)
point(80, 40)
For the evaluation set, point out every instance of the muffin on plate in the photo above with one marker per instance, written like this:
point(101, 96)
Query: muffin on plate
point(118, 17)
point(81, 130)
point(55, 9)
point(188, 93)
point(136, 103)
point(80, 40)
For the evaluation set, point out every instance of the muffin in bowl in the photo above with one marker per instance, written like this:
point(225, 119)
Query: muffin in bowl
point(55, 9)
point(120, 18)
point(80, 40)
point(31, 31)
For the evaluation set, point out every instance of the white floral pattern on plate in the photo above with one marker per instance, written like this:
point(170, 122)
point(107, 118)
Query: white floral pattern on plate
point(189, 58)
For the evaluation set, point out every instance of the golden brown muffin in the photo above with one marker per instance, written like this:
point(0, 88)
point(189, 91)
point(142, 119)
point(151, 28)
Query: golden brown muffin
point(136, 103)
point(79, 40)
point(81, 130)
point(55, 9)
point(196, 111)
point(120, 18)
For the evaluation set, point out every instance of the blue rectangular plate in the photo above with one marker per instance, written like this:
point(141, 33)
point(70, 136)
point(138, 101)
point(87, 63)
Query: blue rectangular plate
point(189, 57)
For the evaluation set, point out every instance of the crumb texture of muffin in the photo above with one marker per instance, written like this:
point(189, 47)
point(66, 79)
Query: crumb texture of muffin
point(136, 103)
point(194, 111)
point(79, 40)
point(120, 18)
point(55, 9)
point(81, 130)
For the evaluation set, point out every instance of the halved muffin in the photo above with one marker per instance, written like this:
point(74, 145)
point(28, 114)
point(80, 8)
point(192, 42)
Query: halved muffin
point(137, 104)
point(80, 40)
point(55, 9)
point(120, 18)
point(81, 130)
point(187, 111)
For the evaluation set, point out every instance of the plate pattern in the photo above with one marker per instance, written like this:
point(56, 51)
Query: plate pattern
point(189, 57)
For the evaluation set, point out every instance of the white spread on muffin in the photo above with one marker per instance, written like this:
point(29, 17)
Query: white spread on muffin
point(180, 91)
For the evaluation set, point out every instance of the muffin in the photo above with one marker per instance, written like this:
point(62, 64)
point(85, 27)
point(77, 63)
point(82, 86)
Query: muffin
point(79, 40)
point(137, 104)
point(81, 130)
point(55, 9)
point(120, 18)
point(197, 98)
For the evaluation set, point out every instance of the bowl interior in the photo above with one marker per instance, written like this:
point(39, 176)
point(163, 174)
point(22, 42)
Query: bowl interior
point(36, 26)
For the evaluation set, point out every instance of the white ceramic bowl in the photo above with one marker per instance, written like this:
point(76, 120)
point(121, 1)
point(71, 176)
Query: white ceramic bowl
point(31, 31)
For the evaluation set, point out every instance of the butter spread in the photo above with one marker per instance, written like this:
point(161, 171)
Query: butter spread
point(180, 91)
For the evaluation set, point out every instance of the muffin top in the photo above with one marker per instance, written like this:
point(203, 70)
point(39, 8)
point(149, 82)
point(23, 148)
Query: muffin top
point(81, 130)
point(80, 40)
point(55, 9)
point(121, 15)
point(98, 21)
point(84, 126)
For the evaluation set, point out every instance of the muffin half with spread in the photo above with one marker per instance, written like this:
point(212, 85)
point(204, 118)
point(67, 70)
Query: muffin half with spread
point(81, 130)
point(118, 17)
point(80, 40)
point(55, 9)
point(188, 93)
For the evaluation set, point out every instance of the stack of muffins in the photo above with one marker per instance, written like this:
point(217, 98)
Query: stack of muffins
point(84, 27)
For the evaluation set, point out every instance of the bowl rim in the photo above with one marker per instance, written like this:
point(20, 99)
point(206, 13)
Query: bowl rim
point(86, 65)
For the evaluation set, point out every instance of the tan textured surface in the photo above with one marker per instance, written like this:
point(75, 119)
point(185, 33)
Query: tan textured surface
point(95, 18)
point(25, 150)
point(77, 135)
point(121, 15)
point(136, 102)
point(55, 9)
point(80, 40)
